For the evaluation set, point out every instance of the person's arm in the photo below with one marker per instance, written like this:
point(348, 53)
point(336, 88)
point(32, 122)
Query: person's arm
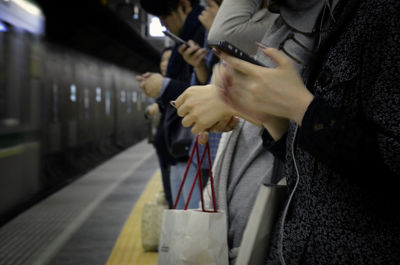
point(369, 142)
point(242, 23)
point(351, 145)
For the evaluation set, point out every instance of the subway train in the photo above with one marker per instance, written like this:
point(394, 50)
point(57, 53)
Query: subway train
point(61, 113)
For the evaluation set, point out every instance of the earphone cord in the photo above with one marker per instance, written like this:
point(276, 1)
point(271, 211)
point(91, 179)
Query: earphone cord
point(281, 230)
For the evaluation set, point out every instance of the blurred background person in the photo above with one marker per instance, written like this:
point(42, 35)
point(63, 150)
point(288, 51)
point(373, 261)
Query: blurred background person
point(181, 18)
point(152, 112)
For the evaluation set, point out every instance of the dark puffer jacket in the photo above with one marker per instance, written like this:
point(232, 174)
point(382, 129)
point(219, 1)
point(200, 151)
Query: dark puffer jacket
point(347, 204)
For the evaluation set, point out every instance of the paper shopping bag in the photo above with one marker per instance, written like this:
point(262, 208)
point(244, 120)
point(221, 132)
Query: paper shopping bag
point(193, 237)
point(197, 237)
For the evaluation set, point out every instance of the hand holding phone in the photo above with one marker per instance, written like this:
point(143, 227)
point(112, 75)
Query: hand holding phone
point(175, 38)
point(230, 49)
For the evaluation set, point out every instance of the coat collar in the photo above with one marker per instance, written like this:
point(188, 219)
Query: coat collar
point(302, 15)
point(191, 23)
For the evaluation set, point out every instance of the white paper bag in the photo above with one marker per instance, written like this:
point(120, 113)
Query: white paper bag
point(193, 237)
point(197, 237)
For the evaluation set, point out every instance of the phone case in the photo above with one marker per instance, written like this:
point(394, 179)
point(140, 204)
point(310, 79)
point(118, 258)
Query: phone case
point(232, 50)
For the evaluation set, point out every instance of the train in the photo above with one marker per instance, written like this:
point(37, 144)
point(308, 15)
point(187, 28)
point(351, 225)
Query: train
point(62, 112)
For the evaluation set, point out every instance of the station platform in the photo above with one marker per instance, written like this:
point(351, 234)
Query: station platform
point(95, 220)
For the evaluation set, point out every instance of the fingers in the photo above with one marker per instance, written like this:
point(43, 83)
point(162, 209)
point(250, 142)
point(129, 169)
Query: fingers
point(142, 77)
point(225, 125)
point(198, 124)
point(147, 74)
point(278, 57)
point(193, 43)
point(182, 48)
point(197, 128)
point(190, 50)
point(231, 124)
point(202, 16)
point(180, 100)
point(203, 137)
point(200, 53)
point(217, 74)
point(142, 85)
point(220, 125)
point(185, 50)
point(212, 3)
point(183, 110)
point(188, 121)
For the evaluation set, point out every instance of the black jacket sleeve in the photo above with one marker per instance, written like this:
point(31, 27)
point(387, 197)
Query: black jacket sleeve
point(277, 148)
point(174, 89)
point(368, 142)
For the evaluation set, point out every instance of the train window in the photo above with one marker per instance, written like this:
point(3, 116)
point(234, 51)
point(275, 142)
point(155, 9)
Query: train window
point(123, 96)
point(128, 105)
point(55, 103)
point(155, 27)
point(72, 93)
point(108, 103)
point(134, 96)
point(86, 102)
point(98, 94)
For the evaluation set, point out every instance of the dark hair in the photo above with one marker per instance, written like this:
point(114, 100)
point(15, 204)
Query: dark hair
point(163, 7)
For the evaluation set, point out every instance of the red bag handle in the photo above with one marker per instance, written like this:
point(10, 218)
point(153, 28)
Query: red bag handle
point(198, 176)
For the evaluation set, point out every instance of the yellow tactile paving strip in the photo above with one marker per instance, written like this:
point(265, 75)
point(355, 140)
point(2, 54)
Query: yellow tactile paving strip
point(128, 249)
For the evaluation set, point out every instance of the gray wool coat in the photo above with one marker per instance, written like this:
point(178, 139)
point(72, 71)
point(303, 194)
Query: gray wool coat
point(242, 165)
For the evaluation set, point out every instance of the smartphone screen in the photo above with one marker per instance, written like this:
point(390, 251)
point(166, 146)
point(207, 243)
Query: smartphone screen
point(232, 50)
point(175, 38)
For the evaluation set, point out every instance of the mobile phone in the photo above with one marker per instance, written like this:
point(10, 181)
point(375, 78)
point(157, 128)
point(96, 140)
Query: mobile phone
point(230, 49)
point(175, 38)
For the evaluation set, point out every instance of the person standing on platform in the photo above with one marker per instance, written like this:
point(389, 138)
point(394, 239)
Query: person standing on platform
point(342, 146)
point(181, 18)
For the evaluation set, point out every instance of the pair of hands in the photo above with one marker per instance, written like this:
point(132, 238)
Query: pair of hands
point(270, 96)
point(194, 54)
point(150, 83)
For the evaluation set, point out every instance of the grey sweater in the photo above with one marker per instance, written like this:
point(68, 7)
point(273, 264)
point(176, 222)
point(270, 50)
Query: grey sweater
point(242, 166)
